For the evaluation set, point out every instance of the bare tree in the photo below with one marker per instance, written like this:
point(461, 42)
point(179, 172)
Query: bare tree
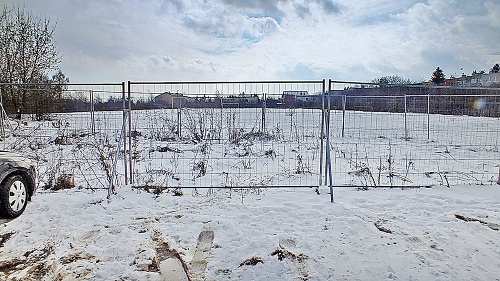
point(392, 80)
point(27, 54)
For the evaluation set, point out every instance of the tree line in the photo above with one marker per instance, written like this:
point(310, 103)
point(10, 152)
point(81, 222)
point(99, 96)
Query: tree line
point(28, 55)
point(438, 77)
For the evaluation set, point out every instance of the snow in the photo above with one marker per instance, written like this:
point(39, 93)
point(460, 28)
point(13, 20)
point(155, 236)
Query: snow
point(275, 233)
point(79, 235)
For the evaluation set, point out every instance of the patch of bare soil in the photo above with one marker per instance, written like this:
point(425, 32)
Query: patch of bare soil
point(72, 270)
point(34, 262)
point(164, 252)
point(379, 226)
point(493, 226)
point(283, 253)
point(4, 237)
point(287, 251)
point(252, 261)
point(4, 220)
point(75, 257)
point(172, 266)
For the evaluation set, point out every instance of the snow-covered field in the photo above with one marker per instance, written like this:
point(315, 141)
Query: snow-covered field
point(231, 147)
point(272, 234)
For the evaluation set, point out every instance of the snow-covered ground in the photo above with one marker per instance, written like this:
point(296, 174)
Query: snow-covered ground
point(232, 147)
point(436, 233)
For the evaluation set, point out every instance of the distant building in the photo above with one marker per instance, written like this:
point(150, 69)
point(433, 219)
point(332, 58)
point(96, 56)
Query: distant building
point(475, 80)
point(241, 99)
point(301, 99)
point(293, 96)
point(170, 99)
point(490, 79)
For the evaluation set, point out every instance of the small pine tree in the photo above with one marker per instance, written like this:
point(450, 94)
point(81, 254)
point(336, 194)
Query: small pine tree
point(495, 69)
point(438, 76)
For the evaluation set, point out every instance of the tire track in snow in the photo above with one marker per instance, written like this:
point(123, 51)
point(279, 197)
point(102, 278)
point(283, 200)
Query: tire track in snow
point(199, 263)
point(173, 267)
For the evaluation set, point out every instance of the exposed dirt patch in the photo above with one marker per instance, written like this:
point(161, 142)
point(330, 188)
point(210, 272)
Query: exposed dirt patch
point(379, 226)
point(34, 262)
point(283, 253)
point(252, 261)
point(4, 237)
point(163, 252)
point(38, 271)
point(75, 257)
point(287, 251)
point(7, 266)
point(169, 149)
point(493, 226)
point(225, 271)
point(78, 273)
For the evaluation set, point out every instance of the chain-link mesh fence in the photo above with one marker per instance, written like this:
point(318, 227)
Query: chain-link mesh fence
point(70, 131)
point(253, 134)
point(414, 135)
point(227, 134)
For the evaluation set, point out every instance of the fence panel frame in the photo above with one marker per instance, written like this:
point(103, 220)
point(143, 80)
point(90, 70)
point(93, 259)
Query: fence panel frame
point(435, 104)
point(86, 90)
point(225, 84)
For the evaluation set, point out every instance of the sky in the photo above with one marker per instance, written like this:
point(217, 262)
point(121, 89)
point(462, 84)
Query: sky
point(248, 40)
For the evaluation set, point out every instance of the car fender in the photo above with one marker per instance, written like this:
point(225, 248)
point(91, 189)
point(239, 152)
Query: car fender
point(9, 168)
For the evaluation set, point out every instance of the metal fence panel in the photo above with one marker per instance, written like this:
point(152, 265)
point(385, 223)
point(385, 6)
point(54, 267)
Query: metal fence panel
point(226, 134)
point(254, 134)
point(414, 136)
point(73, 143)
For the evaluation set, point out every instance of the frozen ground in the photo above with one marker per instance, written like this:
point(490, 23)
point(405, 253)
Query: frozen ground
point(436, 233)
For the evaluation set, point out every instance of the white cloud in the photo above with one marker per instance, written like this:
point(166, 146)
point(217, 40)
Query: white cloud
point(281, 39)
point(493, 13)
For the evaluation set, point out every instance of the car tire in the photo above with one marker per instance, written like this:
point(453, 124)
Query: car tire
point(13, 196)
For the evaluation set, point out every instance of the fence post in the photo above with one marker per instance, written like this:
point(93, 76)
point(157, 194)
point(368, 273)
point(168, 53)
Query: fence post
point(111, 188)
point(131, 177)
point(222, 119)
point(263, 125)
point(322, 136)
point(327, 115)
point(327, 127)
point(124, 121)
point(4, 118)
point(2, 129)
point(179, 117)
point(344, 102)
point(406, 128)
point(92, 118)
point(428, 116)
point(328, 155)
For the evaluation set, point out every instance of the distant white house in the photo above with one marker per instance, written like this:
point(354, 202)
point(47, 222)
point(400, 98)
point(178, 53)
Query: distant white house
point(292, 96)
point(475, 80)
point(169, 99)
point(490, 79)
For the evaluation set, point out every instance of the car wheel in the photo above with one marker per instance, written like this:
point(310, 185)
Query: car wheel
point(13, 196)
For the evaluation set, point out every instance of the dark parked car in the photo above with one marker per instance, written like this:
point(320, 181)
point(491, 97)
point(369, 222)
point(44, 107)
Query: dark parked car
point(17, 183)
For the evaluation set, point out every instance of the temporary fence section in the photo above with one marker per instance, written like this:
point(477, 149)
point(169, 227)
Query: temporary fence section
point(253, 134)
point(413, 135)
point(226, 134)
point(71, 131)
